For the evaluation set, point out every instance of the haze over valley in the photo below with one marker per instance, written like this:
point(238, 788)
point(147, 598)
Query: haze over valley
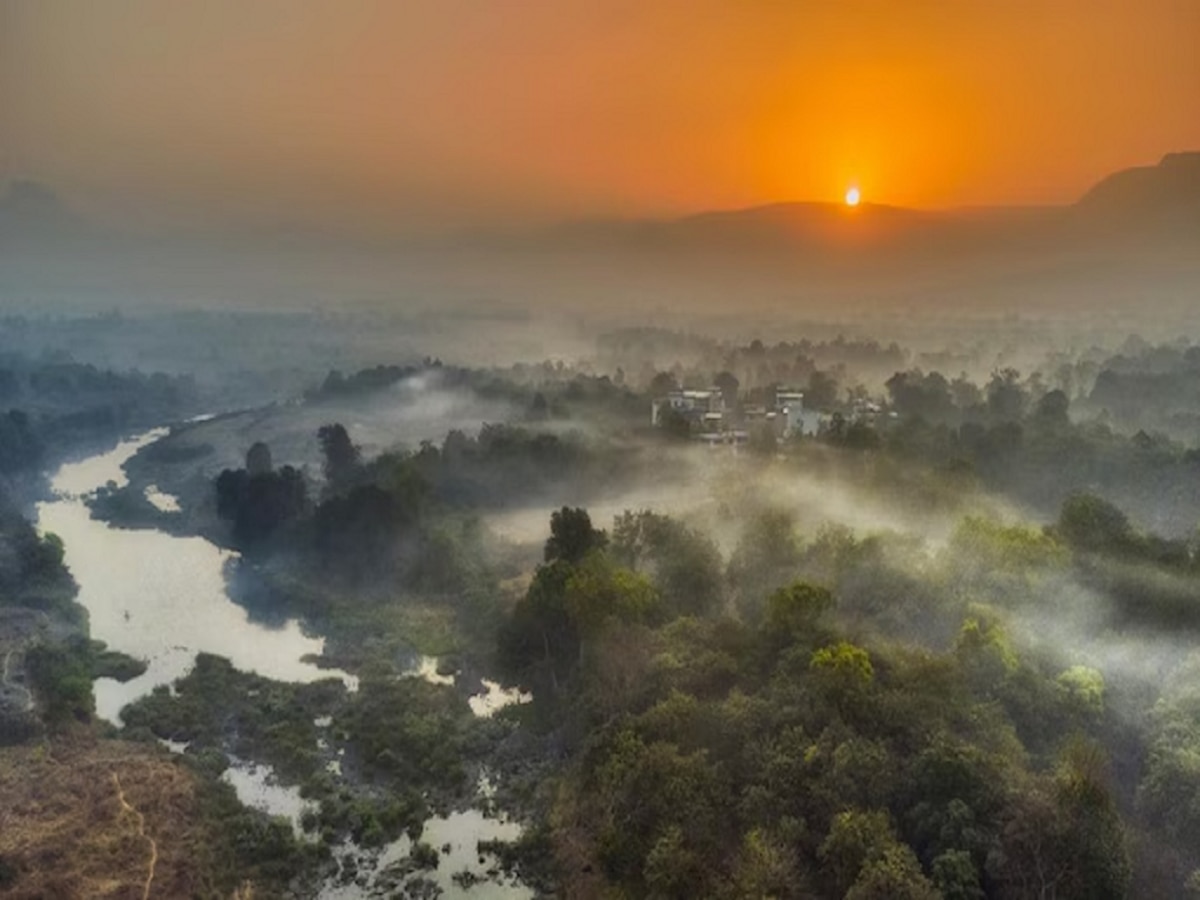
point(1132, 235)
point(599, 450)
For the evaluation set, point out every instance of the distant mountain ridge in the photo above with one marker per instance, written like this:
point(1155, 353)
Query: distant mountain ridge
point(1136, 233)
point(1168, 192)
point(1141, 200)
point(1155, 202)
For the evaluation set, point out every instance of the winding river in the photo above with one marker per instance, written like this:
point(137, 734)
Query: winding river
point(162, 598)
point(159, 597)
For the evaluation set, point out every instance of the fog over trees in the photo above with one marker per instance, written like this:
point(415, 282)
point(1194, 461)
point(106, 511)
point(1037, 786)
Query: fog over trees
point(857, 620)
point(460, 451)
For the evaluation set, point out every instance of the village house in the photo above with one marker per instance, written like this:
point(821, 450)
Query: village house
point(710, 418)
point(703, 409)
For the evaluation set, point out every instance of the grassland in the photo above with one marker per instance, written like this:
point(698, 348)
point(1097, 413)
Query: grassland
point(88, 817)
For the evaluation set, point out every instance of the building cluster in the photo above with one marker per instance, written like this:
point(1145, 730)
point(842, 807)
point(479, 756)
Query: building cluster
point(709, 417)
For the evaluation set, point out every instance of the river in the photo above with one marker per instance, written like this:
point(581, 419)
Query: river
point(159, 597)
point(162, 599)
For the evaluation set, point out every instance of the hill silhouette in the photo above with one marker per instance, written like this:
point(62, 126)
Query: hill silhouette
point(1141, 199)
point(1167, 194)
point(1135, 232)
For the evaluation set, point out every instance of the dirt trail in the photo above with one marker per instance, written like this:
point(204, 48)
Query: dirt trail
point(141, 833)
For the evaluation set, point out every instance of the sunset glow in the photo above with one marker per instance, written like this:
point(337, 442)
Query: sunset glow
point(788, 408)
point(423, 113)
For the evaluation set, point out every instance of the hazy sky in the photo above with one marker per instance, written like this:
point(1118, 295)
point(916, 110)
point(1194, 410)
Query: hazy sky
point(450, 112)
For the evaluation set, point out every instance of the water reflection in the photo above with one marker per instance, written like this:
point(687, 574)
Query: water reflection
point(455, 838)
point(256, 787)
point(159, 597)
point(486, 704)
point(164, 599)
point(495, 698)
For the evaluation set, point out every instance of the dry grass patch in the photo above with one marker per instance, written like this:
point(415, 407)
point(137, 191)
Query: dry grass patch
point(83, 817)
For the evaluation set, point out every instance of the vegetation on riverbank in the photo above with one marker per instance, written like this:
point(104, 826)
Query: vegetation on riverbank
point(86, 815)
point(890, 722)
point(84, 812)
point(732, 696)
point(377, 762)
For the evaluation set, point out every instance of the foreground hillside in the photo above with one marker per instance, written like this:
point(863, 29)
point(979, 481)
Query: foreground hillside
point(88, 817)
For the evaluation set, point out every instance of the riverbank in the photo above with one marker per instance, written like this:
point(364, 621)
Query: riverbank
point(85, 814)
point(376, 748)
point(159, 597)
point(368, 777)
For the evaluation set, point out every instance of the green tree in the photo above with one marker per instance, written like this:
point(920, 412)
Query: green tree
point(1052, 409)
point(655, 810)
point(954, 794)
point(955, 876)
point(683, 564)
point(855, 838)
point(845, 663)
point(258, 459)
point(766, 867)
point(672, 870)
point(1096, 842)
point(793, 612)
point(1006, 399)
point(728, 384)
point(894, 874)
point(1064, 837)
point(767, 555)
point(985, 655)
point(539, 643)
point(341, 458)
point(1083, 689)
point(1088, 522)
point(572, 536)
point(663, 383)
point(61, 677)
point(822, 390)
point(598, 589)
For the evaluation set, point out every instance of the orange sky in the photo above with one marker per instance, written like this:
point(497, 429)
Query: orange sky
point(447, 112)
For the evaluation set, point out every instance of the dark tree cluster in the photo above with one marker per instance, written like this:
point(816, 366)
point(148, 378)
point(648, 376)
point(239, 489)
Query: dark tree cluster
point(32, 572)
point(364, 381)
point(501, 464)
point(362, 529)
point(783, 758)
point(342, 460)
point(258, 500)
point(67, 400)
point(658, 355)
point(21, 448)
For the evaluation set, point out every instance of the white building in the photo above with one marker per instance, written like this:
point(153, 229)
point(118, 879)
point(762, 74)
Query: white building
point(700, 406)
point(793, 418)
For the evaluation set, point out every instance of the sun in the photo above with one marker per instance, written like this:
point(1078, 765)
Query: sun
point(852, 196)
